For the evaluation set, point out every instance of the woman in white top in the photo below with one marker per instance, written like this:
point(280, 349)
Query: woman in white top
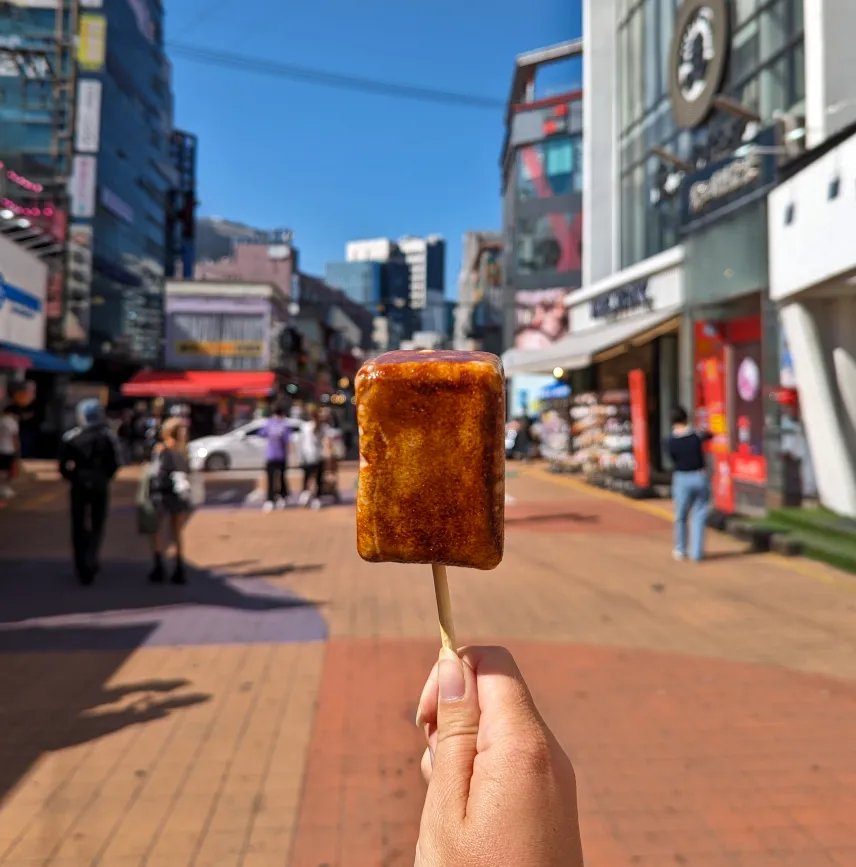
point(10, 447)
point(313, 442)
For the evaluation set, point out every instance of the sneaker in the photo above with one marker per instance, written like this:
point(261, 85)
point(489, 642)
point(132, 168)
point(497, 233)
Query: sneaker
point(316, 503)
point(304, 498)
point(678, 555)
point(281, 503)
point(268, 506)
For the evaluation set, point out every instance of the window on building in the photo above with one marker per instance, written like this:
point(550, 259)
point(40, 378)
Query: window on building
point(547, 243)
point(550, 168)
point(765, 73)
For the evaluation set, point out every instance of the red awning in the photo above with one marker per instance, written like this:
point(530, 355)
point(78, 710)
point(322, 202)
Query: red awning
point(199, 383)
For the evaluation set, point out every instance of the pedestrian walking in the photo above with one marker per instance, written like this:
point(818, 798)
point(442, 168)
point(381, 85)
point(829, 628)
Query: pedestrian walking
point(172, 497)
point(10, 451)
point(89, 457)
point(278, 432)
point(690, 485)
point(334, 452)
point(313, 442)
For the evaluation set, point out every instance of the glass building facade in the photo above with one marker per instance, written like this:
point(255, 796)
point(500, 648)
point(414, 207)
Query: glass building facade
point(764, 73)
point(134, 177)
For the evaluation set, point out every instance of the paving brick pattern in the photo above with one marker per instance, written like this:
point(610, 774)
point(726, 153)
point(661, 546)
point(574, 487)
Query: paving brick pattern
point(708, 709)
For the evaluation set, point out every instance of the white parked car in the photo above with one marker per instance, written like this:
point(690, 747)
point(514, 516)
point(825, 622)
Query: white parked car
point(239, 449)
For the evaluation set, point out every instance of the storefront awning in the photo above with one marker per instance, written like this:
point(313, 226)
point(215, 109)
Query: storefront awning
point(12, 355)
point(187, 384)
point(577, 351)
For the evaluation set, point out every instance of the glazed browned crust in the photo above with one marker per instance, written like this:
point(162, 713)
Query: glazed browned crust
point(432, 458)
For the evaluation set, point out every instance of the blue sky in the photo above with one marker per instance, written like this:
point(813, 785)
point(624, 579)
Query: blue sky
point(336, 165)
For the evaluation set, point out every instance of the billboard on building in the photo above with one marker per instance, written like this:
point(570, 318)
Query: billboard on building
point(541, 318)
point(92, 42)
point(82, 187)
point(78, 283)
point(210, 333)
point(87, 132)
point(23, 289)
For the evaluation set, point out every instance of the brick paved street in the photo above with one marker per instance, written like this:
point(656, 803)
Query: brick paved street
point(263, 715)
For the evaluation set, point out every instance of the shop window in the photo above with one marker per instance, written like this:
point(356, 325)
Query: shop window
point(744, 52)
point(652, 55)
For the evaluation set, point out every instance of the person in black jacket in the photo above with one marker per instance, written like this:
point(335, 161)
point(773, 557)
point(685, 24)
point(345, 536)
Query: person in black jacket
point(690, 484)
point(90, 455)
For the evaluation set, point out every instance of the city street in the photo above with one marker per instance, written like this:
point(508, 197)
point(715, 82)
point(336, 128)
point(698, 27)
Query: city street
point(263, 715)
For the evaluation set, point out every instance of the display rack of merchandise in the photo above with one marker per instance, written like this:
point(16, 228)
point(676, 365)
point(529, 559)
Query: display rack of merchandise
point(602, 438)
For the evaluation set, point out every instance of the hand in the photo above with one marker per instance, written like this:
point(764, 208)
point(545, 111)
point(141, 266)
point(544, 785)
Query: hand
point(501, 791)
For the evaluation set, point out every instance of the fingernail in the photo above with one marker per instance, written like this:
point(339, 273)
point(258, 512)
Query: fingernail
point(419, 723)
point(451, 676)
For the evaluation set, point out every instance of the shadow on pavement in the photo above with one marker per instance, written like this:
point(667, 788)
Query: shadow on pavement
point(211, 608)
point(50, 702)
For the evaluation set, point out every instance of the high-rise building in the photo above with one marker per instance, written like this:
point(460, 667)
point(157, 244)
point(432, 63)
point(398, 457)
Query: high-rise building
point(427, 260)
point(360, 281)
point(108, 73)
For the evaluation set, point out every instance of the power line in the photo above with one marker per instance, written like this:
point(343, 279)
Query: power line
point(308, 75)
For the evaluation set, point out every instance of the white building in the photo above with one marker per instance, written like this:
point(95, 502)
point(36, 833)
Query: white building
point(371, 250)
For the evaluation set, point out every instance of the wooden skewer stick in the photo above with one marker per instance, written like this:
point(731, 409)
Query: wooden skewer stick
point(444, 607)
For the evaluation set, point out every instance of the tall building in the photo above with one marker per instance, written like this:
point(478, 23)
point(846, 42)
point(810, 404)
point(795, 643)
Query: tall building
point(181, 207)
point(360, 281)
point(542, 200)
point(427, 260)
point(478, 317)
point(425, 257)
point(114, 162)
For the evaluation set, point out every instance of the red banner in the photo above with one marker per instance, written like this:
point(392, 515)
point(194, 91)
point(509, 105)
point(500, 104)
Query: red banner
point(639, 419)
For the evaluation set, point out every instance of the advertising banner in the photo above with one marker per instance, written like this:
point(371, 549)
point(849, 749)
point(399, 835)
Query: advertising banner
point(207, 339)
point(92, 42)
point(79, 282)
point(82, 187)
point(87, 133)
point(22, 316)
point(541, 318)
point(639, 420)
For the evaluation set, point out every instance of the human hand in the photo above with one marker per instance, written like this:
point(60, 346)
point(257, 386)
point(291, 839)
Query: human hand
point(501, 791)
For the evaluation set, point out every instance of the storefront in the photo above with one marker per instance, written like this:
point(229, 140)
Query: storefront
point(621, 361)
point(813, 281)
point(27, 371)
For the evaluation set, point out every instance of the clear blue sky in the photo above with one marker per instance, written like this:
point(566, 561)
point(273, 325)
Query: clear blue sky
point(335, 165)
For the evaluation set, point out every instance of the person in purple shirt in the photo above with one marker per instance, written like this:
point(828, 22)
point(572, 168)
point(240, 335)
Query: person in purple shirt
point(277, 432)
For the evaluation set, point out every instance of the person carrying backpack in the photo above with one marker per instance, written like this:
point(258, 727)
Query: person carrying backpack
point(89, 456)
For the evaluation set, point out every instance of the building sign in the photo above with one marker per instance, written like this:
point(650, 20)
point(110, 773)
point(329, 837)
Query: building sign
point(697, 60)
point(21, 316)
point(731, 180)
point(633, 296)
point(87, 133)
point(82, 187)
point(92, 42)
point(79, 283)
point(235, 348)
point(542, 318)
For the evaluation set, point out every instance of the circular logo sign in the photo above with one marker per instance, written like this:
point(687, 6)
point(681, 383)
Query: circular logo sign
point(748, 380)
point(697, 59)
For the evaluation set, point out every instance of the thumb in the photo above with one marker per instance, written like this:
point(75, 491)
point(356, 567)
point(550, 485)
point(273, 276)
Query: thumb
point(457, 733)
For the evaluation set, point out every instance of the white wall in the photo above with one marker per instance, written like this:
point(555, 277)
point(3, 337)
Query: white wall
point(22, 321)
point(830, 92)
point(600, 134)
point(820, 244)
point(371, 250)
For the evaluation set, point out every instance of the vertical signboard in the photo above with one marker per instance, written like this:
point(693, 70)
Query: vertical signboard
point(92, 42)
point(82, 187)
point(639, 420)
point(78, 282)
point(87, 131)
